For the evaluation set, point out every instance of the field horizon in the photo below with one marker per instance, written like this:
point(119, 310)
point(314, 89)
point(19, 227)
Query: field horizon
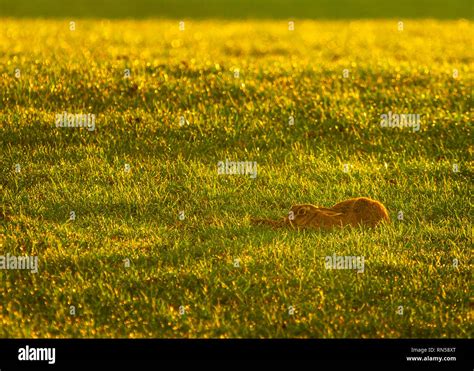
point(240, 9)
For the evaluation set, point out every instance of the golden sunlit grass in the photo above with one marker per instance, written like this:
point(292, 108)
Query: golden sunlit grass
point(47, 69)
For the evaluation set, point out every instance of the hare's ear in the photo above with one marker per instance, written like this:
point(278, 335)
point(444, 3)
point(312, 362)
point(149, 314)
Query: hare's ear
point(324, 209)
point(330, 213)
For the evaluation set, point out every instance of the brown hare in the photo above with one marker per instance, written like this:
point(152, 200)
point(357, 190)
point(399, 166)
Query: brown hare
point(352, 212)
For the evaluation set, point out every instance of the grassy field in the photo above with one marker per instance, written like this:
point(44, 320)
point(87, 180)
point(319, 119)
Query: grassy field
point(232, 279)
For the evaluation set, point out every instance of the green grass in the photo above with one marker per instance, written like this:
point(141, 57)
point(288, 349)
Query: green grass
point(190, 263)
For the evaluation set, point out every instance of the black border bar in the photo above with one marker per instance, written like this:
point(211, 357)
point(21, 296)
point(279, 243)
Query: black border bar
point(112, 352)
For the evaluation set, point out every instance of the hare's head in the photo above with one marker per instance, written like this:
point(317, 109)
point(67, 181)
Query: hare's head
point(312, 216)
point(301, 210)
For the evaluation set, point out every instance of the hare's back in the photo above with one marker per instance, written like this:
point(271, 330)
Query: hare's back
point(370, 210)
